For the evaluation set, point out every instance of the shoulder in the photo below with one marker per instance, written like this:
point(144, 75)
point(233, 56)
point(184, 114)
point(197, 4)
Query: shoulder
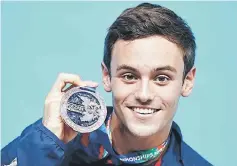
point(189, 156)
point(192, 157)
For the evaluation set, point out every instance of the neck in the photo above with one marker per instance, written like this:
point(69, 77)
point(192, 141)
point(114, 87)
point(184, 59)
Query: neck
point(125, 142)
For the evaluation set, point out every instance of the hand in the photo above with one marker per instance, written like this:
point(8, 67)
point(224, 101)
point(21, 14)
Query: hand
point(52, 118)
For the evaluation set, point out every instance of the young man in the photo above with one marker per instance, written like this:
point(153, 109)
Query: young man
point(148, 64)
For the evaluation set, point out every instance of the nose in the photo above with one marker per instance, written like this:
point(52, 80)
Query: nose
point(144, 93)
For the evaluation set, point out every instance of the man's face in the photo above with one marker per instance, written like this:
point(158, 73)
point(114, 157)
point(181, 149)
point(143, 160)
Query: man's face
point(146, 83)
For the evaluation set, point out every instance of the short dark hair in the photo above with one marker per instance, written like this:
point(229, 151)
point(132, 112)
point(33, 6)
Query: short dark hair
point(147, 20)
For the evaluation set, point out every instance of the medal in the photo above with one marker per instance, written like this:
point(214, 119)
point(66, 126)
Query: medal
point(83, 109)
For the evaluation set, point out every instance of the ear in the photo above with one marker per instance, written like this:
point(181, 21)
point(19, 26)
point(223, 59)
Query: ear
point(106, 78)
point(188, 83)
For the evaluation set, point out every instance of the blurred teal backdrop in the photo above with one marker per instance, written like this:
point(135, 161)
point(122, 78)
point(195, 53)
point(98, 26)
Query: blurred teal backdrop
point(41, 39)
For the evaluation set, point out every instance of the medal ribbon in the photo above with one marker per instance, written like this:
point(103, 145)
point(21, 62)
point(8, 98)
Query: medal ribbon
point(143, 156)
point(91, 89)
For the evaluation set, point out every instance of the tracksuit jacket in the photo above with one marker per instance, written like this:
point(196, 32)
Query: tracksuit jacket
point(38, 146)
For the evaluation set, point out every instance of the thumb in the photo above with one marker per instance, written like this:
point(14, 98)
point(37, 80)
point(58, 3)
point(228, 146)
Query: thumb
point(90, 84)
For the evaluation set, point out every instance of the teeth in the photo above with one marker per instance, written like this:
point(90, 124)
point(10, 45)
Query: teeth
point(144, 111)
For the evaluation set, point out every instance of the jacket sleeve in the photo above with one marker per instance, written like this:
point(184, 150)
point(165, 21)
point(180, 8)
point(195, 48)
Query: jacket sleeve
point(36, 146)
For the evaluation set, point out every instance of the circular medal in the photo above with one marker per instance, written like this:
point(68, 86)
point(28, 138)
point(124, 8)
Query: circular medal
point(83, 109)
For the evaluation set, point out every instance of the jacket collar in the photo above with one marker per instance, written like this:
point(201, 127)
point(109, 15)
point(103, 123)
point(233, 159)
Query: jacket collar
point(173, 156)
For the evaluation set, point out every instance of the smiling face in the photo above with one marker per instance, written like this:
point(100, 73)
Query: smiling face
point(146, 82)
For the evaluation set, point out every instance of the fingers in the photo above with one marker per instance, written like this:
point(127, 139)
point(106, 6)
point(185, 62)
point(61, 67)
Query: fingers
point(64, 78)
point(75, 80)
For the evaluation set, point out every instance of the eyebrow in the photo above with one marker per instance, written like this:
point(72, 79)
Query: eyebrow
point(126, 67)
point(167, 67)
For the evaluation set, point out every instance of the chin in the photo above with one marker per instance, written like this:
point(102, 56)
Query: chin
point(143, 130)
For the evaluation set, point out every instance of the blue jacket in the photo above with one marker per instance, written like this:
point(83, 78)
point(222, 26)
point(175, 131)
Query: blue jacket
point(37, 146)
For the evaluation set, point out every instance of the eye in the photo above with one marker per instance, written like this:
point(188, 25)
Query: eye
point(129, 77)
point(162, 79)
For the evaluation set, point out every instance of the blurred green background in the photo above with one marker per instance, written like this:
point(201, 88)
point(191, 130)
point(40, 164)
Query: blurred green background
point(41, 39)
